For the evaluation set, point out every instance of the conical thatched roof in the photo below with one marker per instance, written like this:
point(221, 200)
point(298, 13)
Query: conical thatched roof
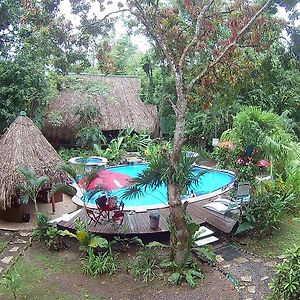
point(24, 144)
point(116, 98)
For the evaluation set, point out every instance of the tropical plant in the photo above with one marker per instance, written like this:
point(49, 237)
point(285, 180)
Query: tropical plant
point(48, 233)
point(86, 240)
point(12, 282)
point(191, 271)
point(286, 282)
point(88, 136)
point(271, 200)
point(40, 232)
point(269, 135)
point(158, 174)
point(146, 262)
point(29, 190)
point(89, 132)
point(134, 142)
point(100, 263)
point(193, 61)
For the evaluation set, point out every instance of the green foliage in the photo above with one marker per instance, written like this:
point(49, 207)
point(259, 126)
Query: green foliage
point(146, 262)
point(159, 172)
point(55, 118)
point(286, 283)
point(12, 282)
point(48, 233)
point(101, 263)
point(86, 240)
point(269, 135)
point(190, 272)
point(271, 200)
point(23, 86)
point(89, 132)
point(134, 142)
point(33, 184)
point(88, 136)
point(63, 188)
point(40, 231)
point(66, 154)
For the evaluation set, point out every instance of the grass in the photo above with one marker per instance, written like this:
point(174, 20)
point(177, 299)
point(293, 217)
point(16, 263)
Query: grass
point(279, 241)
point(41, 275)
point(2, 245)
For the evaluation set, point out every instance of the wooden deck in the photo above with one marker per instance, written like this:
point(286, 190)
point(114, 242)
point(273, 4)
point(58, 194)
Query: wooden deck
point(137, 223)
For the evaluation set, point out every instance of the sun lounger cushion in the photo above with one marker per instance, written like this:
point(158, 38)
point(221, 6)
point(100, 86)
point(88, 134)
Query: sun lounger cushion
point(217, 206)
point(224, 201)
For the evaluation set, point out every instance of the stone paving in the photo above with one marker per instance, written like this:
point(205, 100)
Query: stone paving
point(17, 243)
point(252, 274)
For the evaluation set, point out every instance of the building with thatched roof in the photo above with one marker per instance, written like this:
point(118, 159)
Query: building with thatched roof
point(23, 144)
point(116, 98)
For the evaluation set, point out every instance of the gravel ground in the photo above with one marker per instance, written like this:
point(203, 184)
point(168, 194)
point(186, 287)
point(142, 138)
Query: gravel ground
point(252, 273)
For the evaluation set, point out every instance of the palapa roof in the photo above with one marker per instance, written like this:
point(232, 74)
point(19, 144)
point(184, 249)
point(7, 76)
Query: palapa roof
point(24, 144)
point(116, 98)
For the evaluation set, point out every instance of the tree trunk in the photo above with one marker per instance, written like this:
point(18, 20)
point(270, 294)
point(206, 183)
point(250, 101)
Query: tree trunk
point(179, 232)
point(180, 245)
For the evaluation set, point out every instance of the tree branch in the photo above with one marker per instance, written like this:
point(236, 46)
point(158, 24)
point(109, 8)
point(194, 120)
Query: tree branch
point(229, 47)
point(196, 35)
point(156, 33)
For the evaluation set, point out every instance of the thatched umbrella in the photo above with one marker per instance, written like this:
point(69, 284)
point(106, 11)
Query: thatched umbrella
point(116, 97)
point(24, 144)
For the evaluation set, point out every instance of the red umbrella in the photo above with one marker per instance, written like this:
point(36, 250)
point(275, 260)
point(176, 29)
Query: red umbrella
point(110, 180)
point(264, 163)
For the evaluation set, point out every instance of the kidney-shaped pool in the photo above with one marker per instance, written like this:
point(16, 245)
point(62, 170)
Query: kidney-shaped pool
point(210, 183)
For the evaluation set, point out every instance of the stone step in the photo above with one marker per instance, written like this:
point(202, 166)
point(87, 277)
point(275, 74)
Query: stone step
point(204, 232)
point(207, 240)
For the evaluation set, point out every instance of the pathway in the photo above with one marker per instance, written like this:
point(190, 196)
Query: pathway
point(252, 274)
point(17, 243)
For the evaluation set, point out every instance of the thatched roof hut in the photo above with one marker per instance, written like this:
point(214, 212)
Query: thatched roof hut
point(24, 144)
point(116, 98)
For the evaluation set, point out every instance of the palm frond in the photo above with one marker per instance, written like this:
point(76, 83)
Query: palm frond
point(28, 173)
point(63, 188)
point(41, 181)
point(68, 169)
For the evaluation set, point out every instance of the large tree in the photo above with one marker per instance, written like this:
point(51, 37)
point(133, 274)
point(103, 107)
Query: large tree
point(195, 36)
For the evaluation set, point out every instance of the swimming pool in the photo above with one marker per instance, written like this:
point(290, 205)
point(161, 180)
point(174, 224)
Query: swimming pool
point(210, 182)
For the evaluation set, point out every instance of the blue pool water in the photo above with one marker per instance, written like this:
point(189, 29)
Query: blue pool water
point(209, 182)
point(89, 160)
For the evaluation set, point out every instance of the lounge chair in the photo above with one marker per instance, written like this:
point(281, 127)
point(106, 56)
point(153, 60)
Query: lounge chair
point(226, 205)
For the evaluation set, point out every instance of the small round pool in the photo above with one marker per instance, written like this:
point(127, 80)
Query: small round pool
point(90, 162)
point(211, 183)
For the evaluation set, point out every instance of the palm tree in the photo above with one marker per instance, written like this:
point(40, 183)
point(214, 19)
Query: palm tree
point(30, 189)
point(158, 175)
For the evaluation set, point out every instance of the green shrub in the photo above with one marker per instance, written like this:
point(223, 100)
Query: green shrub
point(101, 263)
point(271, 200)
point(49, 234)
point(66, 154)
point(86, 240)
point(146, 263)
point(90, 135)
point(286, 283)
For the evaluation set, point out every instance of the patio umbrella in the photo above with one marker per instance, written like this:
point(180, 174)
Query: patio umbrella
point(264, 163)
point(110, 180)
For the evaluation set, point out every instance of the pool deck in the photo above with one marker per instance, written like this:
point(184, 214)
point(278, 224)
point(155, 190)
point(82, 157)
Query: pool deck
point(138, 224)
